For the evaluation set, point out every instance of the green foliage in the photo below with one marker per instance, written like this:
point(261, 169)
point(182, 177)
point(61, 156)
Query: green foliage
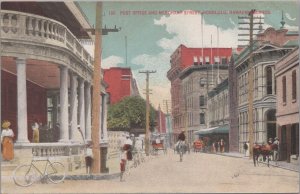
point(129, 113)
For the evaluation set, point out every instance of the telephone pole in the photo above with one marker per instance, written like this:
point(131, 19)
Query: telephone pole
point(97, 90)
point(251, 28)
point(250, 87)
point(98, 32)
point(147, 111)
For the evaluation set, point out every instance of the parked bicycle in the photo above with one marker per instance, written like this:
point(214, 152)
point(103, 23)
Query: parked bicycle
point(26, 175)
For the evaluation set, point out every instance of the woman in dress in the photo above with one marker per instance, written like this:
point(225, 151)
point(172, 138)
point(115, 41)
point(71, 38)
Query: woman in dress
point(7, 135)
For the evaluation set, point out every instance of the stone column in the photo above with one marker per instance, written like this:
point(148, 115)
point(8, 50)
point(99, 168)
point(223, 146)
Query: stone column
point(22, 101)
point(81, 106)
point(74, 107)
point(64, 109)
point(88, 118)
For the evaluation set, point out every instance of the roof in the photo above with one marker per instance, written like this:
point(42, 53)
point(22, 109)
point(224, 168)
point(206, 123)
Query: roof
point(220, 87)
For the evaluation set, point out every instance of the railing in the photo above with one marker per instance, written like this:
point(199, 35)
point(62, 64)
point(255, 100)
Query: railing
point(24, 26)
point(56, 149)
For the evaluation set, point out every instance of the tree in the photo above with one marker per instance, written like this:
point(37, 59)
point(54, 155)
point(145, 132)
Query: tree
point(129, 113)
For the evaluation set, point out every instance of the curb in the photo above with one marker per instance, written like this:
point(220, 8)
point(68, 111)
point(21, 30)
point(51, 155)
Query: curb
point(271, 164)
point(93, 176)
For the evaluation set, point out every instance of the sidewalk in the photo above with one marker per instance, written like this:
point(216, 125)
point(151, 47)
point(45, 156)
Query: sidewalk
point(78, 174)
point(279, 164)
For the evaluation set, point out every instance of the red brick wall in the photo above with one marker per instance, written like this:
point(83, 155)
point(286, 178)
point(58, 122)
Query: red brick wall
point(36, 102)
point(119, 83)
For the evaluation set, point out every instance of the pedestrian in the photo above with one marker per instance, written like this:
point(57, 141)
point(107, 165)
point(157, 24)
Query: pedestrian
point(222, 146)
point(123, 161)
point(270, 142)
point(35, 132)
point(246, 147)
point(128, 147)
point(89, 157)
point(276, 149)
point(7, 145)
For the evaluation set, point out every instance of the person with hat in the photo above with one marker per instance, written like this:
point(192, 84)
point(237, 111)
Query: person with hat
point(276, 149)
point(7, 144)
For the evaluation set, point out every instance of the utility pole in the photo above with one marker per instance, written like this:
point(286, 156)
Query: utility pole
point(97, 90)
point(98, 32)
point(147, 111)
point(250, 87)
point(251, 28)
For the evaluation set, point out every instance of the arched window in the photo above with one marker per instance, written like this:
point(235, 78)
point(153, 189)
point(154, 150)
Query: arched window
point(294, 85)
point(202, 82)
point(284, 89)
point(269, 80)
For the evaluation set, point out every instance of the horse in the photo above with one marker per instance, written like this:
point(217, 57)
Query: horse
point(265, 150)
point(181, 149)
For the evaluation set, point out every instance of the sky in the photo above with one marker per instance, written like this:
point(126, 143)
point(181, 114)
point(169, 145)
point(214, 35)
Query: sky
point(155, 29)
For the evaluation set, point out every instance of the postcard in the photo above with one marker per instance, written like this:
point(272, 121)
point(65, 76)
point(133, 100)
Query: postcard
point(149, 97)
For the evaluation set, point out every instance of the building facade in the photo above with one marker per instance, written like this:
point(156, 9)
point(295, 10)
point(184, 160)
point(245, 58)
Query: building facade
point(287, 90)
point(47, 76)
point(271, 46)
point(187, 59)
point(120, 84)
point(196, 82)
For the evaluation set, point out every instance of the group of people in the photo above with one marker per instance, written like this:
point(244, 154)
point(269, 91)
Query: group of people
point(218, 146)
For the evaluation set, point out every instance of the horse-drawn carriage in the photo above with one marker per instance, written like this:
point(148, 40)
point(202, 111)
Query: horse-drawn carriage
point(158, 143)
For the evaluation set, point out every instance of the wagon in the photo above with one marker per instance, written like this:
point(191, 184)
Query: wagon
point(156, 146)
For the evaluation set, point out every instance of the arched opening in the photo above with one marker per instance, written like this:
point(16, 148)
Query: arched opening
point(271, 123)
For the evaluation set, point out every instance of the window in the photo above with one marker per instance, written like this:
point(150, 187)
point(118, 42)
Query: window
point(284, 89)
point(224, 60)
point(269, 80)
point(202, 101)
point(217, 60)
point(195, 60)
point(202, 82)
point(202, 118)
point(207, 60)
point(294, 85)
point(201, 60)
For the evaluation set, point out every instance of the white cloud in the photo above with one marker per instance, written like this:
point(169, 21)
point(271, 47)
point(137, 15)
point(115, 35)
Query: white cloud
point(291, 28)
point(187, 31)
point(288, 16)
point(111, 61)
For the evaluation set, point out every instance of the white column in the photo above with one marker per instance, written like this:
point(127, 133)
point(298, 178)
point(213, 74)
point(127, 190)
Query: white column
point(64, 112)
point(102, 118)
point(88, 118)
point(22, 101)
point(74, 106)
point(81, 106)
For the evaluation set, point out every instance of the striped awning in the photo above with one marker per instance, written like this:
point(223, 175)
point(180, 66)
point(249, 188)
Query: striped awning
point(213, 130)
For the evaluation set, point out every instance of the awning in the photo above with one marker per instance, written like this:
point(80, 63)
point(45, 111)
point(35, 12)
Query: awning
point(213, 130)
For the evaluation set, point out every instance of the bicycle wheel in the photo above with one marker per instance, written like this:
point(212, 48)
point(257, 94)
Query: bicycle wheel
point(25, 175)
point(56, 172)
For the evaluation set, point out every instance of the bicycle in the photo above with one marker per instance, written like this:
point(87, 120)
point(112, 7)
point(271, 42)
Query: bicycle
point(26, 175)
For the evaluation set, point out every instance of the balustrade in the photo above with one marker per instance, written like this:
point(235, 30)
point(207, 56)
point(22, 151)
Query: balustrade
point(56, 149)
point(23, 26)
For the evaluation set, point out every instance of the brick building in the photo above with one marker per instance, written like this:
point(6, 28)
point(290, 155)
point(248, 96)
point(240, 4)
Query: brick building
point(287, 90)
point(186, 66)
point(120, 83)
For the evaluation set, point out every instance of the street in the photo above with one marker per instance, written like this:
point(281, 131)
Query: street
point(199, 173)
